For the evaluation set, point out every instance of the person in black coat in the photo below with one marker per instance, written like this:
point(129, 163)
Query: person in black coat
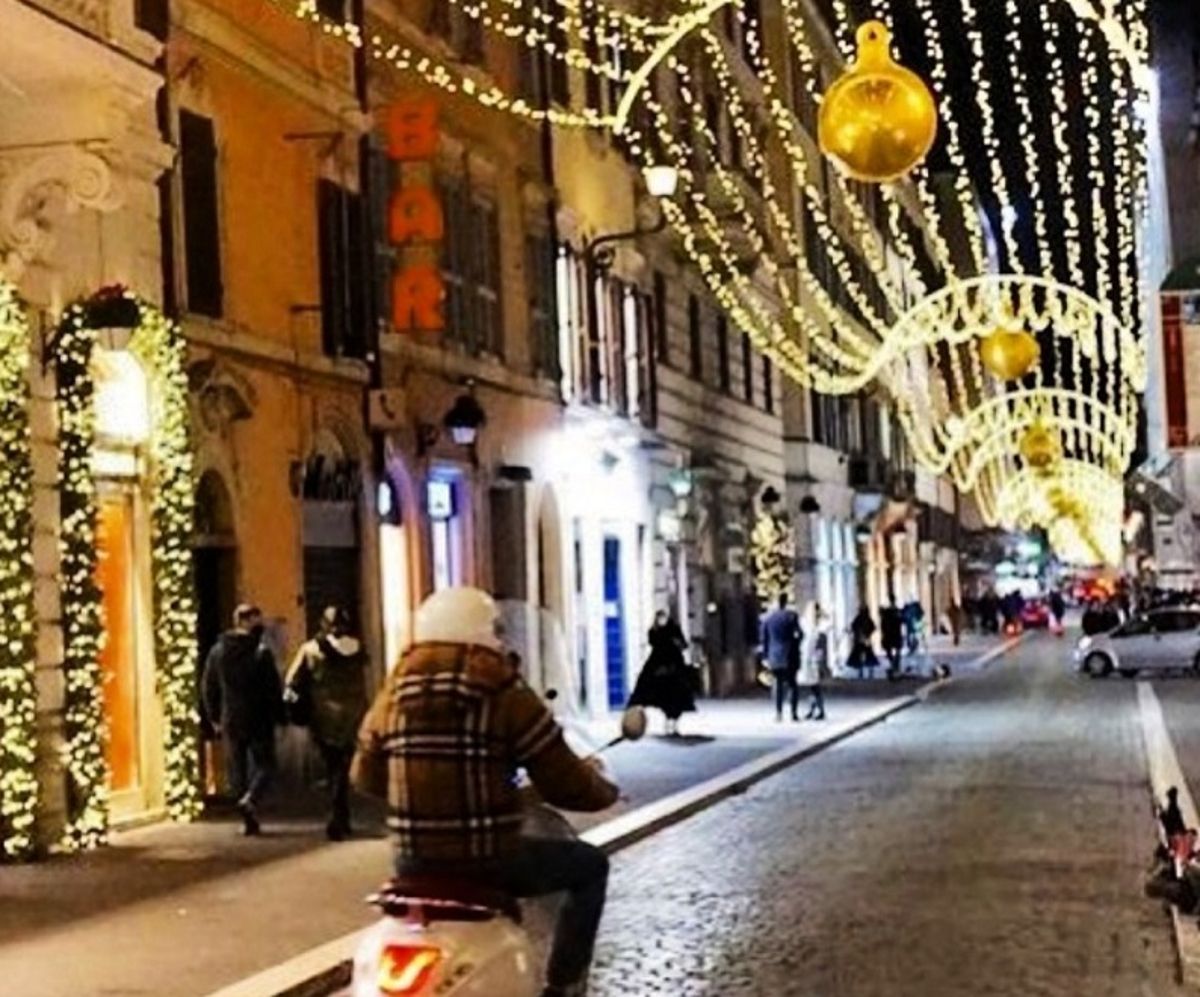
point(891, 636)
point(666, 681)
point(243, 698)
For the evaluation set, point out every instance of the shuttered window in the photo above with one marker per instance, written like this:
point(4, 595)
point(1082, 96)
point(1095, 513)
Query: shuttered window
point(471, 269)
point(344, 250)
point(201, 224)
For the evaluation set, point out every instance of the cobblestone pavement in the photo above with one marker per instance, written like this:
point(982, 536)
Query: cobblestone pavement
point(991, 842)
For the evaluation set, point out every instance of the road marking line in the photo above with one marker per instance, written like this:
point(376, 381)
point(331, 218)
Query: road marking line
point(1165, 772)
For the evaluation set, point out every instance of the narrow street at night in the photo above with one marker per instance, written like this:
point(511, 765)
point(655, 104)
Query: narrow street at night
point(991, 842)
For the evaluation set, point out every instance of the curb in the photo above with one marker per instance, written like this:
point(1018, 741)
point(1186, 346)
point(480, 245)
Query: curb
point(327, 968)
point(324, 970)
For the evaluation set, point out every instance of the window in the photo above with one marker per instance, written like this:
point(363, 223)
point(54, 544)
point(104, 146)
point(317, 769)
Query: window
point(201, 225)
point(451, 23)
point(342, 249)
point(662, 334)
point(571, 314)
point(1175, 621)
point(751, 28)
point(335, 10)
point(540, 280)
point(471, 269)
point(768, 385)
point(723, 372)
point(695, 339)
point(593, 88)
point(747, 369)
point(544, 79)
point(152, 16)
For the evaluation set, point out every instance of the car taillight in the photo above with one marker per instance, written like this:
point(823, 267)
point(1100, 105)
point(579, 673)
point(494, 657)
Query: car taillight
point(406, 970)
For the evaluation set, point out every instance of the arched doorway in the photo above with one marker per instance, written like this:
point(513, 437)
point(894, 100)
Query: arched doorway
point(330, 486)
point(215, 570)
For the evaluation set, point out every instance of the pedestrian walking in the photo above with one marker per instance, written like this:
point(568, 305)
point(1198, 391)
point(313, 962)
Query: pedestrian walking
point(243, 697)
point(814, 659)
point(666, 681)
point(956, 614)
point(328, 682)
point(1058, 609)
point(891, 632)
point(779, 645)
point(862, 651)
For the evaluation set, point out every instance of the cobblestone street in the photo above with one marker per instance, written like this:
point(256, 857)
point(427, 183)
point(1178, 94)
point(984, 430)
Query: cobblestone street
point(991, 842)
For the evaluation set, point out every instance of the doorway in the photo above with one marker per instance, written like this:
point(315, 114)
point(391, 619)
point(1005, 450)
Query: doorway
point(614, 623)
point(126, 696)
point(215, 571)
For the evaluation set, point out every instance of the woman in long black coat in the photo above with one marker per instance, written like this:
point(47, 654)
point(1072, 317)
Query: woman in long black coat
point(666, 682)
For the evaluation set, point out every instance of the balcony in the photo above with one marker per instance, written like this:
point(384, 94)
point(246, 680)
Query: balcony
point(878, 476)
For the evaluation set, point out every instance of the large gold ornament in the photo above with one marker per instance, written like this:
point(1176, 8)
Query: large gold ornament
point(1009, 353)
point(1040, 447)
point(879, 120)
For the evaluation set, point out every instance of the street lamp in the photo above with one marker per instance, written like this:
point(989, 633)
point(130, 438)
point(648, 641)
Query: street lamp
point(661, 181)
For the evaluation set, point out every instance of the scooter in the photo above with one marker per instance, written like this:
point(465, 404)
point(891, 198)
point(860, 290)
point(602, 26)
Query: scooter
point(458, 939)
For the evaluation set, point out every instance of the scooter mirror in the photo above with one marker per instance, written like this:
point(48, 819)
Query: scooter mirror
point(633, 723)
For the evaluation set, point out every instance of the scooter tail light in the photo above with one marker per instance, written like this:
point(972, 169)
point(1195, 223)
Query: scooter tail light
point(406, 970)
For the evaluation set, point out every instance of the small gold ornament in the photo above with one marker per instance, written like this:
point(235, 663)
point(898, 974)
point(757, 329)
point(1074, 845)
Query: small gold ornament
point(1009, 353)
point(879, 120)
point(1040, 447)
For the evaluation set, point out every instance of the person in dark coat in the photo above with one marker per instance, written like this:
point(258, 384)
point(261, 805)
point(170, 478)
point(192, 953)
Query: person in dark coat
point(244, 700)
point(330, 674)
point(1058, 609)
point(666, 681)
point(891, 627)
point(779, 644)
point(862, 652)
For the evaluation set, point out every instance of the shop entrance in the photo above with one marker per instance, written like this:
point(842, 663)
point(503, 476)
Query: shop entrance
point(126, 696)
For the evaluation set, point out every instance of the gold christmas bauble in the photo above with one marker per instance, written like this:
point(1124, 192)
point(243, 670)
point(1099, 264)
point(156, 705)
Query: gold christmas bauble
point(879, 120)
point(1040, 447)
point(1009, 353)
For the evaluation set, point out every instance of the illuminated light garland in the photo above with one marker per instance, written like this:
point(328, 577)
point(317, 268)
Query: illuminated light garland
point(18, 652)
point(159, 346)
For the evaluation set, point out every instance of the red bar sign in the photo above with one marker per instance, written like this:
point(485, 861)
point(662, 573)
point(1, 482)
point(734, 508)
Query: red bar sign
point(415, 218)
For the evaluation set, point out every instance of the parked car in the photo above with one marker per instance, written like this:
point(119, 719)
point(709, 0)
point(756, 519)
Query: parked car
point(1154, 641)
point(1035, 615)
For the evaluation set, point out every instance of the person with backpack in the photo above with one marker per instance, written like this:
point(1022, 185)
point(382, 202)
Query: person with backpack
point(326, 690)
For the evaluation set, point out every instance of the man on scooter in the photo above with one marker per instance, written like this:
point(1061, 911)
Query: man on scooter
point(443, 742)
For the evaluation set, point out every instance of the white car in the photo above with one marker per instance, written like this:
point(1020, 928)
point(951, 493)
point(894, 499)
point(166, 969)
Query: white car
point(1155, 641)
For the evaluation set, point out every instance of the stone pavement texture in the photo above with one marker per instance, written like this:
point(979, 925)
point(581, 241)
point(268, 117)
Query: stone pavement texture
point(182, 911)
point(988, 844)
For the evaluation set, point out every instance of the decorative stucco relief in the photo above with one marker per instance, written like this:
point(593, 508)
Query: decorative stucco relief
point(36, 192)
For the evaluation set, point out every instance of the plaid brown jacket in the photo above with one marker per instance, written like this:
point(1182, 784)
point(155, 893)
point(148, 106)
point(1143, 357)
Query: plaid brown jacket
point(443, 742)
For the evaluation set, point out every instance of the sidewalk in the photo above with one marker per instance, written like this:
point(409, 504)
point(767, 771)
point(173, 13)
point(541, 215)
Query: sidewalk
point(186, 910)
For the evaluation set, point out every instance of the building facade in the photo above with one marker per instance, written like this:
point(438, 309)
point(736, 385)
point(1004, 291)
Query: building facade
point(1168, 485)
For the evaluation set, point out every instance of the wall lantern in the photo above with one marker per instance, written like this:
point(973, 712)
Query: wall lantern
point(809, 505)
point(770, 497)
point(681, 483)
point(465, 418)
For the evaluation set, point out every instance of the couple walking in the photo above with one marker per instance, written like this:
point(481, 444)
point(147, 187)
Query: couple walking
point(797, 653)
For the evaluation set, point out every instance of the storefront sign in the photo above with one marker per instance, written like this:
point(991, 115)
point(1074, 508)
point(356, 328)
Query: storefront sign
point(439, 496)
point(1174, 377)
point(388, 409)
point(416, 224)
